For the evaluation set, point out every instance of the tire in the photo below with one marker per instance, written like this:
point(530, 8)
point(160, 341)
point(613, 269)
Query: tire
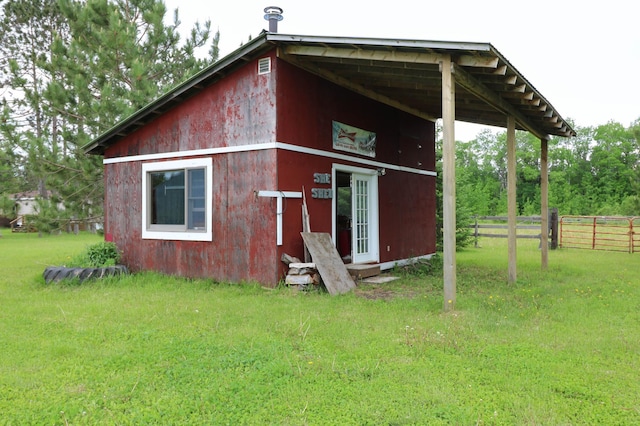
point(54, 274)
point(51, 274)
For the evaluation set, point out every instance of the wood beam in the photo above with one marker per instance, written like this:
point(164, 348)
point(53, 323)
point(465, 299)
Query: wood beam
point(511, 198)
point(501, 70)
point(477, 62)
point(544, 204)
point(533, 102)
point(471, 84)
point(448, 182)
point(362, 54)
point(512, 79)
point(419, 57)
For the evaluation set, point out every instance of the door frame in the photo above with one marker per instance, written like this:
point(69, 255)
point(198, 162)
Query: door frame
point(374, 222)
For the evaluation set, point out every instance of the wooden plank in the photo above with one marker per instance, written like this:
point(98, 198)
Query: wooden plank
point(417, 57)
point(379, 280)
point(306, 223)
point(487, 226)
point(537, 236)
point(332, 270)
point(518, 218)
point(363, 270)
point(301, 265)
point(298, 280)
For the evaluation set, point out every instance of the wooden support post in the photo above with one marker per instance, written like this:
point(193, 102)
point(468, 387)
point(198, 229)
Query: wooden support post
point(544, 204)
point(448, 183)
point(511, 198)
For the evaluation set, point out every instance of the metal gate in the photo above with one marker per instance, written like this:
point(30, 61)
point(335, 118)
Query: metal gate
point(610, 233)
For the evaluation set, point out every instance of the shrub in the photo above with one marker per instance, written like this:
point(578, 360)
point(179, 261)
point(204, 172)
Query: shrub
point(102, 254)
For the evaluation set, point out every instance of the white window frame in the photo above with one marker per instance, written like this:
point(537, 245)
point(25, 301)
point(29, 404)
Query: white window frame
point(160, 232)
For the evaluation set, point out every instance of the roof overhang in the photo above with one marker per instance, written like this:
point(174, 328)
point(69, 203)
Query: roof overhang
point(404, 74)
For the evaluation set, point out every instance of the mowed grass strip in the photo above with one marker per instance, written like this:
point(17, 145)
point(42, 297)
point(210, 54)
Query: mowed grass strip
point(559, 347)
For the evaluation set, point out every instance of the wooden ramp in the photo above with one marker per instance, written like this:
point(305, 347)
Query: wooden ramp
point(332, 270)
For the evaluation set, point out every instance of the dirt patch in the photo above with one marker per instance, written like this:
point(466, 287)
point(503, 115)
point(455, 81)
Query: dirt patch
point(377, 292)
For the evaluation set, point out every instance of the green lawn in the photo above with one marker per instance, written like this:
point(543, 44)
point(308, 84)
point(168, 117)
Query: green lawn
point(560, 347)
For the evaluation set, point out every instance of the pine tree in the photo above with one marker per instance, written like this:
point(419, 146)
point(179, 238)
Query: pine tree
point(74, 69)
point(29, 124)
point(120, 57)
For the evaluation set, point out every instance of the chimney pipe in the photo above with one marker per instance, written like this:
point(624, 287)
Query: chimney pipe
point(273, 14)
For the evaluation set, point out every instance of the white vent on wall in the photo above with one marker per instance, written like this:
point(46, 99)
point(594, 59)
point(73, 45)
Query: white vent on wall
point(264, 66)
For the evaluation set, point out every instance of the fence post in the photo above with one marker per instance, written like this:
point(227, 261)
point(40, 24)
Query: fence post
point(633, 236)
point(475, 232)
point(630, 235)
point(593, 242)
point(553, 223)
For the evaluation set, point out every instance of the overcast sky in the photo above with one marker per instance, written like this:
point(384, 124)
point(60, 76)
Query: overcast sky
point(583, 56)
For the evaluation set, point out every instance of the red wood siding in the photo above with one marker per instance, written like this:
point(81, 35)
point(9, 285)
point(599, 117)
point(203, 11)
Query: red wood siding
point(238, 110)
point(307, 105)
point(244, 108)
point(244, 233)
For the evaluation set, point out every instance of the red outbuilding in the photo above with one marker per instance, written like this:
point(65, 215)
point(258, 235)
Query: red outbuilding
point(208, 180)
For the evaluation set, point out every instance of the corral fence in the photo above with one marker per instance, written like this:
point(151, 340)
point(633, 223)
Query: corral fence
point(612, 233)
point(526, 227)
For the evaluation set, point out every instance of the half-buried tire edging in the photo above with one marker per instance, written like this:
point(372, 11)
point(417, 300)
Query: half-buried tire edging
point(54, 274)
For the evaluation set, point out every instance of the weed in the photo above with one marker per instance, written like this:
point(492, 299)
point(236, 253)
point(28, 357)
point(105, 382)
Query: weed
point(420, 267)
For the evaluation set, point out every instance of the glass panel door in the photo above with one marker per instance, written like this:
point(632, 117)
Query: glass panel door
point(361, 214)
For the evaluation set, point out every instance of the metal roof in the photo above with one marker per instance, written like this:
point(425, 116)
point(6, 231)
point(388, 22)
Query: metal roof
point(404, 74)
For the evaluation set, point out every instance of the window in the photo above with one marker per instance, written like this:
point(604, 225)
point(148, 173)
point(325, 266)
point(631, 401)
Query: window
point(176, 200)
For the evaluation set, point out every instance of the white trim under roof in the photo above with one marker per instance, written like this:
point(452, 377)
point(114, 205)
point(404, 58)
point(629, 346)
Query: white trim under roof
point(263, 146)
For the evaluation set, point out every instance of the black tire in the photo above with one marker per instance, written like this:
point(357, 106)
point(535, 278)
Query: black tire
point(51, 274)
point(58, 273)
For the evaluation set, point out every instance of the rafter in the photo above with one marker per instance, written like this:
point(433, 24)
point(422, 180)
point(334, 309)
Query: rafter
point(471, 84)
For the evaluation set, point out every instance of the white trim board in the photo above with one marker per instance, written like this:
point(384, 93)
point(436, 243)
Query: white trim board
point(263, 146)
point(279, 195)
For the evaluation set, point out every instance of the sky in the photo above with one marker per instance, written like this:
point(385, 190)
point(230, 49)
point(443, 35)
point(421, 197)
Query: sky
point(582, 56)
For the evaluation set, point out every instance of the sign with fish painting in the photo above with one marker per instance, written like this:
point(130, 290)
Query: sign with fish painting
point(352, 139)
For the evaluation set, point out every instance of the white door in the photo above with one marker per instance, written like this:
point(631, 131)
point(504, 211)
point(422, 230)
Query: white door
point(364, 190)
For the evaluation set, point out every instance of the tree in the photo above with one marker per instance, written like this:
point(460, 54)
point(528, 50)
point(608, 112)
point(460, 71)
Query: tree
point(27, 28)
point(463, 214)
point(87, 65)
point(596, 172)
point(120, 57)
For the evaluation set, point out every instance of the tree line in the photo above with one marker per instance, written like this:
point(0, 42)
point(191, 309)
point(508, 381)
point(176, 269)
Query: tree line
point(69, 70)
point(597, 172)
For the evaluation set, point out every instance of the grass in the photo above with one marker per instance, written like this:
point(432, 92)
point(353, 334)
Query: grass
point(559, 347)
